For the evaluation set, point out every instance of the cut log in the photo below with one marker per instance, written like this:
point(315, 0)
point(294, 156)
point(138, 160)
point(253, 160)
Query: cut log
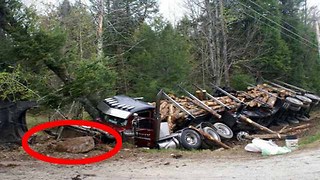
point(304, 126)
point(266, 136)
point(210, 110)
point(200, 95)
point(163, 105)
point(271, 101)
point(254, 124)
point(170, 118)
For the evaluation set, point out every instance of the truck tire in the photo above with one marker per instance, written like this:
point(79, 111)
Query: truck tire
point(315, 99)
point(208, 144)
point(212, 133)
point(306, 101)
point(295, 104)
point(223, 130)
point(190, 139)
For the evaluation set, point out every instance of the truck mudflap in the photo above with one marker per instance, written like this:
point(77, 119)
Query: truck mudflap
point(13, 120)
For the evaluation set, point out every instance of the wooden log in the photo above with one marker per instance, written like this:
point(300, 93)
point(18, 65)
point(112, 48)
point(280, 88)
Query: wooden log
point(207, 136)
point(281, 130)
point(304, 126)
point(266, 136)
point(200, 95)
point(265, 99)
point(170, 118)
point(179, 116)
point(271, 101)
point(254, 124)
point(163, 104)
point(216, 107)
point(199, 112)
point(252, 103)
point(210, 110)
point(299, 130)
point(210, 103)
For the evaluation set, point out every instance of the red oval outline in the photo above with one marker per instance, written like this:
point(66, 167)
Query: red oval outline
point(64, 161)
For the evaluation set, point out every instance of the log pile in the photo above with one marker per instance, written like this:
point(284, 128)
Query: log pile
point(253, 97)
point(173, 115)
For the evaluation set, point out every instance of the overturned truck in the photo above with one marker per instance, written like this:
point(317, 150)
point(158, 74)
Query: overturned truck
point(202, 120)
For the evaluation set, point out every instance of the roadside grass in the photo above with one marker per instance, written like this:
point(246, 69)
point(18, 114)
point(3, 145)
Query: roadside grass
point(35, 119)
point(310, 139)
point(313, 135)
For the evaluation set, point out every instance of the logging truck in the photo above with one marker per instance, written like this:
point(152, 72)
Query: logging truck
point(141, 123)
point(202, 120)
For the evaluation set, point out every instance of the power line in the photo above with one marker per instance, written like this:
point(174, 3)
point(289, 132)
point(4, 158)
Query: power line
point(290, 36)
point(278, 24)
point(272, 14)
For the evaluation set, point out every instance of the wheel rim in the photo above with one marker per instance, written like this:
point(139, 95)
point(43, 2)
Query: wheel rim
point(212, 133)
point(241, 136)
point(294, 101)
point(191, 139)
point(223, 130)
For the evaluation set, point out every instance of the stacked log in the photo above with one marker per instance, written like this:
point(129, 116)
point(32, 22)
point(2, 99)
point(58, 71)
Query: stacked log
point(253, 97)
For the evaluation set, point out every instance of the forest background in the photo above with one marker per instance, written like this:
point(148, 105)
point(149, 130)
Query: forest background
point(81, 53)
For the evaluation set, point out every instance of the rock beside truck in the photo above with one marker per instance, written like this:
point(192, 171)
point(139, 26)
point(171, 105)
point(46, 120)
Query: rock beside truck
point(74, 145)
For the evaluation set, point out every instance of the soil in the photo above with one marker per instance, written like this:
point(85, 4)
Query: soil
point(139, 163)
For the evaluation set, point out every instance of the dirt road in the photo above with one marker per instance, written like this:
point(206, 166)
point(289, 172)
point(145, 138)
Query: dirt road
point(302, 164)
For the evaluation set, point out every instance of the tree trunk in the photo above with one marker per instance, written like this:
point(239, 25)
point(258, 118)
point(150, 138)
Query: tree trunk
point(80, 33)
point(211, 41)
point(219, 68)
point(100, 29)
point(89, 107)
point(224, 45)
point(63, 74)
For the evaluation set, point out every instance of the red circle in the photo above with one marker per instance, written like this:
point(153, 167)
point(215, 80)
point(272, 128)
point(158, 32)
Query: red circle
point(54, 160)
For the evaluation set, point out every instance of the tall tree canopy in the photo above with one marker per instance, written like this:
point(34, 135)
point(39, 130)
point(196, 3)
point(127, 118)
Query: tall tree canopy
point(84, 53)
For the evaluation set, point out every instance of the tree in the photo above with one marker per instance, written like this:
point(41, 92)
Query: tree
point(43, 51)
point(161, 60)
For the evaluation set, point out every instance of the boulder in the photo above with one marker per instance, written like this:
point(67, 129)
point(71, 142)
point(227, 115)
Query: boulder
point(74, 145)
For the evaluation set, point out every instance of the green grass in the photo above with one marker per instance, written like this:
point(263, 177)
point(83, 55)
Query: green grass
point(33, 120)
point(310, 139)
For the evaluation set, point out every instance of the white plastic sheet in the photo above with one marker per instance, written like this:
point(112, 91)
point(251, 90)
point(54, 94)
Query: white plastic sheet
point(266, 147)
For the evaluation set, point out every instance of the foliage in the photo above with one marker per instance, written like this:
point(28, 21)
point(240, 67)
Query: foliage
point(162, 60)
point(239, 81)
point(54, 54)
point(13, 87)
point(93, 76)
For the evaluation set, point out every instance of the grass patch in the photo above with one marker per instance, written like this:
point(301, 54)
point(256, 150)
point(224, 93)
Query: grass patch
point(35, 119)
point(310, 139)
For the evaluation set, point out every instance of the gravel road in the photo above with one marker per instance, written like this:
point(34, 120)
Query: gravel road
point(302, 164)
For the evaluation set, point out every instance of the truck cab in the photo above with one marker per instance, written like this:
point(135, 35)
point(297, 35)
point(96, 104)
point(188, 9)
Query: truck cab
point(132, 118)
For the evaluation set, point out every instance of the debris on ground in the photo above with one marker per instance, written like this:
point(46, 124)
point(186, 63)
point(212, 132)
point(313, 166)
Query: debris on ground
point(266, 147)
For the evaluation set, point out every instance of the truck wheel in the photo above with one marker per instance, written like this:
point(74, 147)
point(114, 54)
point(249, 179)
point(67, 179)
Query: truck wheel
point(212, 133)
point(295, 104)
point(223, 130)
point(190, 139)
point(208, 144)
point(241, 136)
